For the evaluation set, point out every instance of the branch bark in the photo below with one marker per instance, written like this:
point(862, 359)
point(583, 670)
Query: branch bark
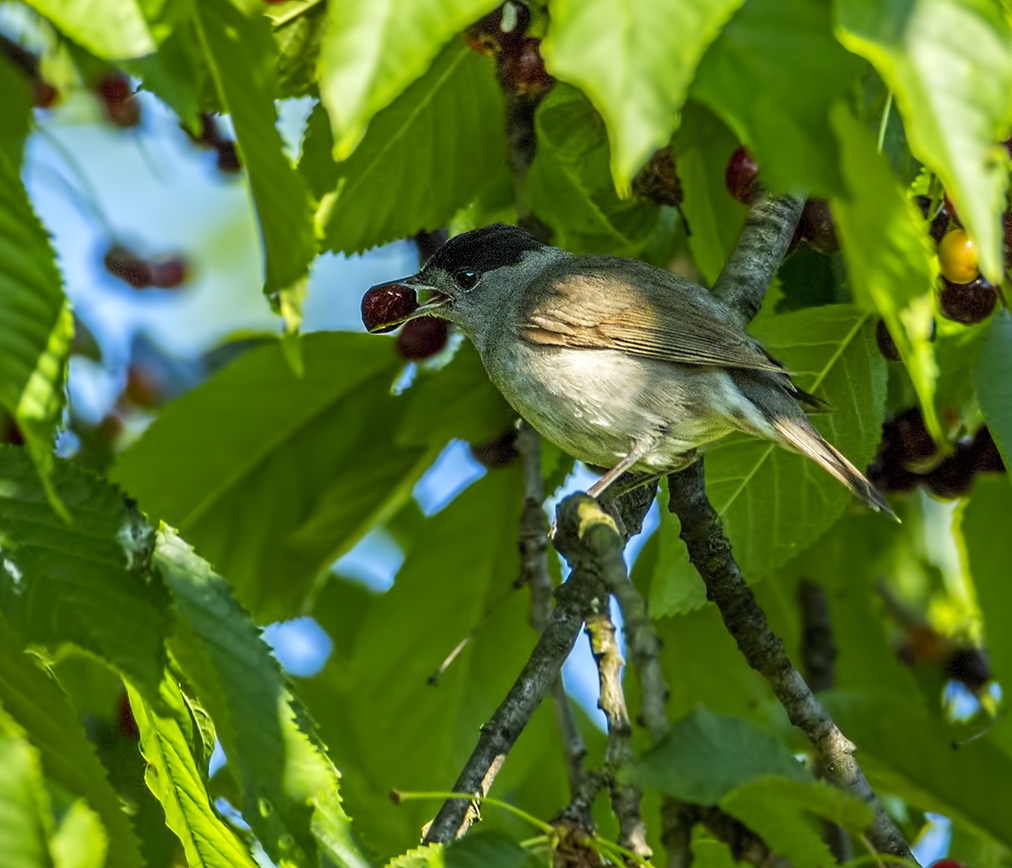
point(625, 800)
point(710, 552)
point(534, 572)
point(757, 256)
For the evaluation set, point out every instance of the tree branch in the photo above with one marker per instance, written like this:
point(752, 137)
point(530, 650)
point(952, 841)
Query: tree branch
point(534, 572)
point(710, 552)
point(758, 254)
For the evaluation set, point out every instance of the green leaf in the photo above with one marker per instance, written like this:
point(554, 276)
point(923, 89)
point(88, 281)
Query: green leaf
point(703, 147)
point(24, 804)
point(35, 323)
point(240, 50)
point(176, 781)
point(705, 756)
point(781, 812)
point(174, 73)
point(487, 850)
point(720, 679)
point(931, 54)
point(80, 841)
point(848, 562)
point(907, 752)
point(373, 50)
point(298, 41)
point(86, 582)
point(446, 126)
point(635, 62)
point(993, 383)
point(772, 75)
point(888, 254)
point(18, 98)
point(35, 701)
point(269, 474)
point(111, 29)
point(470, 407)
point(775, 503)
point(570, 186)
point(987, 552)
point(241, 685)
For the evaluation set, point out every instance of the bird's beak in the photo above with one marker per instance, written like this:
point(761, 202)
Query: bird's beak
point(430, 298)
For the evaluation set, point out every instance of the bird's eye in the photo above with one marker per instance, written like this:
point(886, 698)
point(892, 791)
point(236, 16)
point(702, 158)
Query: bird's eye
point(465, 278)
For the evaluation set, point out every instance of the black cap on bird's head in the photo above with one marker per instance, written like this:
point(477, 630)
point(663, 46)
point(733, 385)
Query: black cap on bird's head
point(482, 250)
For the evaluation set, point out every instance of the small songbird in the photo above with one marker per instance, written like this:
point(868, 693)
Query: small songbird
point(621, 364)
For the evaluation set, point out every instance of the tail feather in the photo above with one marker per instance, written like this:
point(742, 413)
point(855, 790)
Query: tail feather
point(799, 433)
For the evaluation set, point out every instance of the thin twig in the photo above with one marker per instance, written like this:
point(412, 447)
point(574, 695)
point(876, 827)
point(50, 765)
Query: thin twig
point(625, 800)
point(534, 572)
point(710, 552)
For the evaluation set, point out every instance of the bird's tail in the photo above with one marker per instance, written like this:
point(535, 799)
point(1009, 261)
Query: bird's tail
point(801, 435)
point(779, 410)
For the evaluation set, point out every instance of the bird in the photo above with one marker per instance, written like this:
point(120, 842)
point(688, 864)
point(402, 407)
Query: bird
point(621, 364)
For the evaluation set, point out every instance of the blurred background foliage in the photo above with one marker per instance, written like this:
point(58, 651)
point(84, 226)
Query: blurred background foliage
point(208, 469)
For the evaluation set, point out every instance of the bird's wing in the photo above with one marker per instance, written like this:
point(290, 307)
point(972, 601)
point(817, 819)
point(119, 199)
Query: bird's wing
point(601, 302)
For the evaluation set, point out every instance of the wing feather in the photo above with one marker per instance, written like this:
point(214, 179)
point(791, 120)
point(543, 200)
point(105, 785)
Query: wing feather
point(602, 302)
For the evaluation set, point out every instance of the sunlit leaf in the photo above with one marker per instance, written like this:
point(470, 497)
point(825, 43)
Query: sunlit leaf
point(174, 779)
point(35, 324)
point(239, 48)
point(373, 49)
point(111, 29)
point(886, 245)
point(411, 172)
point(931, 53)
point(240, 683)
point(32, 698)
point(635, 62)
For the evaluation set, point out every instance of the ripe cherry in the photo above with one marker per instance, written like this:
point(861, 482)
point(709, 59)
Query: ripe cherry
point(947, 863)
point(385, 304)
point(128, 266)
point(957, 257)
point(742, 176)
point(118, 100)
point(968, 303)
point(886, 345)
point(817, 227)
point(940, 220)
point(169, 273)
point(422, 338)
point(522, 71)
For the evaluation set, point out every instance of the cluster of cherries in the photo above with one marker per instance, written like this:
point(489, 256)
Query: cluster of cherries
point(965, 295)
point(420, 338)
point(909, 457)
